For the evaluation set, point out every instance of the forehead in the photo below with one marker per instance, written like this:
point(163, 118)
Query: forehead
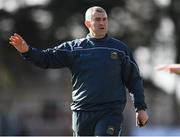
point(96, 14)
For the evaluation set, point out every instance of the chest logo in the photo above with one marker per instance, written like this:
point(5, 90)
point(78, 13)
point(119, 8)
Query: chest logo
point(114, 55)
point(110, 130)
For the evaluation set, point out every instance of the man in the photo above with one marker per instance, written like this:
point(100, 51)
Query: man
point(171, 68)
point(102, 67)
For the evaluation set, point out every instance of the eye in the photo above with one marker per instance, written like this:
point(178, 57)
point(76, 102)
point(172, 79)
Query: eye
point(104, 19)
point(97, 19)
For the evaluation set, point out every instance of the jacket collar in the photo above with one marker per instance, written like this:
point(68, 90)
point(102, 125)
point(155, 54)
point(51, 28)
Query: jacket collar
point(105, 38)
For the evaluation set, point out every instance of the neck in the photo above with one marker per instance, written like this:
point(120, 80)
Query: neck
point(92, 38)
point(97, 36)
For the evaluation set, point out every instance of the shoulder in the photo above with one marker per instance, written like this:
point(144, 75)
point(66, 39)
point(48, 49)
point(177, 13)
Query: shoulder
point(120, 45)
point(69, 45)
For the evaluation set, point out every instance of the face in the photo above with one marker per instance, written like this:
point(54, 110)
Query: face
point(98, 25)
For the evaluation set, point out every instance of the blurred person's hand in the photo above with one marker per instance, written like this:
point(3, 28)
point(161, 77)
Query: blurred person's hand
point(19, 43)
point(141, 118)
point(171, 68)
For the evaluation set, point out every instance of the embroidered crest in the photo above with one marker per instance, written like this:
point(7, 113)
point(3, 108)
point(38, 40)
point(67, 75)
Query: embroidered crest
point(110, 130)
point(114, 55)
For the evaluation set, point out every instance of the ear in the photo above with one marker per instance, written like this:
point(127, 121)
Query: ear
point(87, 23)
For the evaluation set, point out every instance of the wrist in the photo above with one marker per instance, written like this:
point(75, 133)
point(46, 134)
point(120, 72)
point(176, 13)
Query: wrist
point(141, 109)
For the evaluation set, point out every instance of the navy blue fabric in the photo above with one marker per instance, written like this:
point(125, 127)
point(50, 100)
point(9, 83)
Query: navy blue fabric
point(109, 125)
point(101, 70)
point(97, 123)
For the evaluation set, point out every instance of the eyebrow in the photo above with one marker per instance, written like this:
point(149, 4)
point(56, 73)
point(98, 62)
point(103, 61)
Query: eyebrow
point(100, 17)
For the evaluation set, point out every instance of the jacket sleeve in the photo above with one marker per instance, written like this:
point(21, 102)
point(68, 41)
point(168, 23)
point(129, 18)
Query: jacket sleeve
point(56, 57)
point(133, 81)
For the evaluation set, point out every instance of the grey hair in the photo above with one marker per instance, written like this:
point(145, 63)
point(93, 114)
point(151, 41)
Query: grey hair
point(89, 12)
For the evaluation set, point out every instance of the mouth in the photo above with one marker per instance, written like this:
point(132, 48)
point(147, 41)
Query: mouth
point(102, 28)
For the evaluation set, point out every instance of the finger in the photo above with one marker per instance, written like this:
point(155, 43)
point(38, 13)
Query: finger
point(13, 44)
point(142, 124)
point(15, 41)
point(12, 39)
point(16, 38)
point(161, 67)
point(17, 35)
point(165, 69)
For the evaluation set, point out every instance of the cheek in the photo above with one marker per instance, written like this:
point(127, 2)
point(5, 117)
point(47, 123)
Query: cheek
point(93, 26)
point(106, 23)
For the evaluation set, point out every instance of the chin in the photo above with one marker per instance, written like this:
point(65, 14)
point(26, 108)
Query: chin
point(103, 35)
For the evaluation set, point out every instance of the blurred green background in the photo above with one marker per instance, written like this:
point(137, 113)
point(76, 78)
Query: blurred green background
point(34, 101)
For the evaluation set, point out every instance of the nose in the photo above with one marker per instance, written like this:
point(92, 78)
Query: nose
point(102, 22)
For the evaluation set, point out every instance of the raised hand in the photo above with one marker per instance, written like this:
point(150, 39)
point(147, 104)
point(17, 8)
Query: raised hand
point(19, 43)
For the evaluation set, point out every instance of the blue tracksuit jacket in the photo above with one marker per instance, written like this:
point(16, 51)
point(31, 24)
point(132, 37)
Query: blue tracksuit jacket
point(101, 70)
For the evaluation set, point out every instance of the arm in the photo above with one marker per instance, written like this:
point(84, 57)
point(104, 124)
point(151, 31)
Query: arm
point(50, 58)
point(171, 68)
point(134, 83)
